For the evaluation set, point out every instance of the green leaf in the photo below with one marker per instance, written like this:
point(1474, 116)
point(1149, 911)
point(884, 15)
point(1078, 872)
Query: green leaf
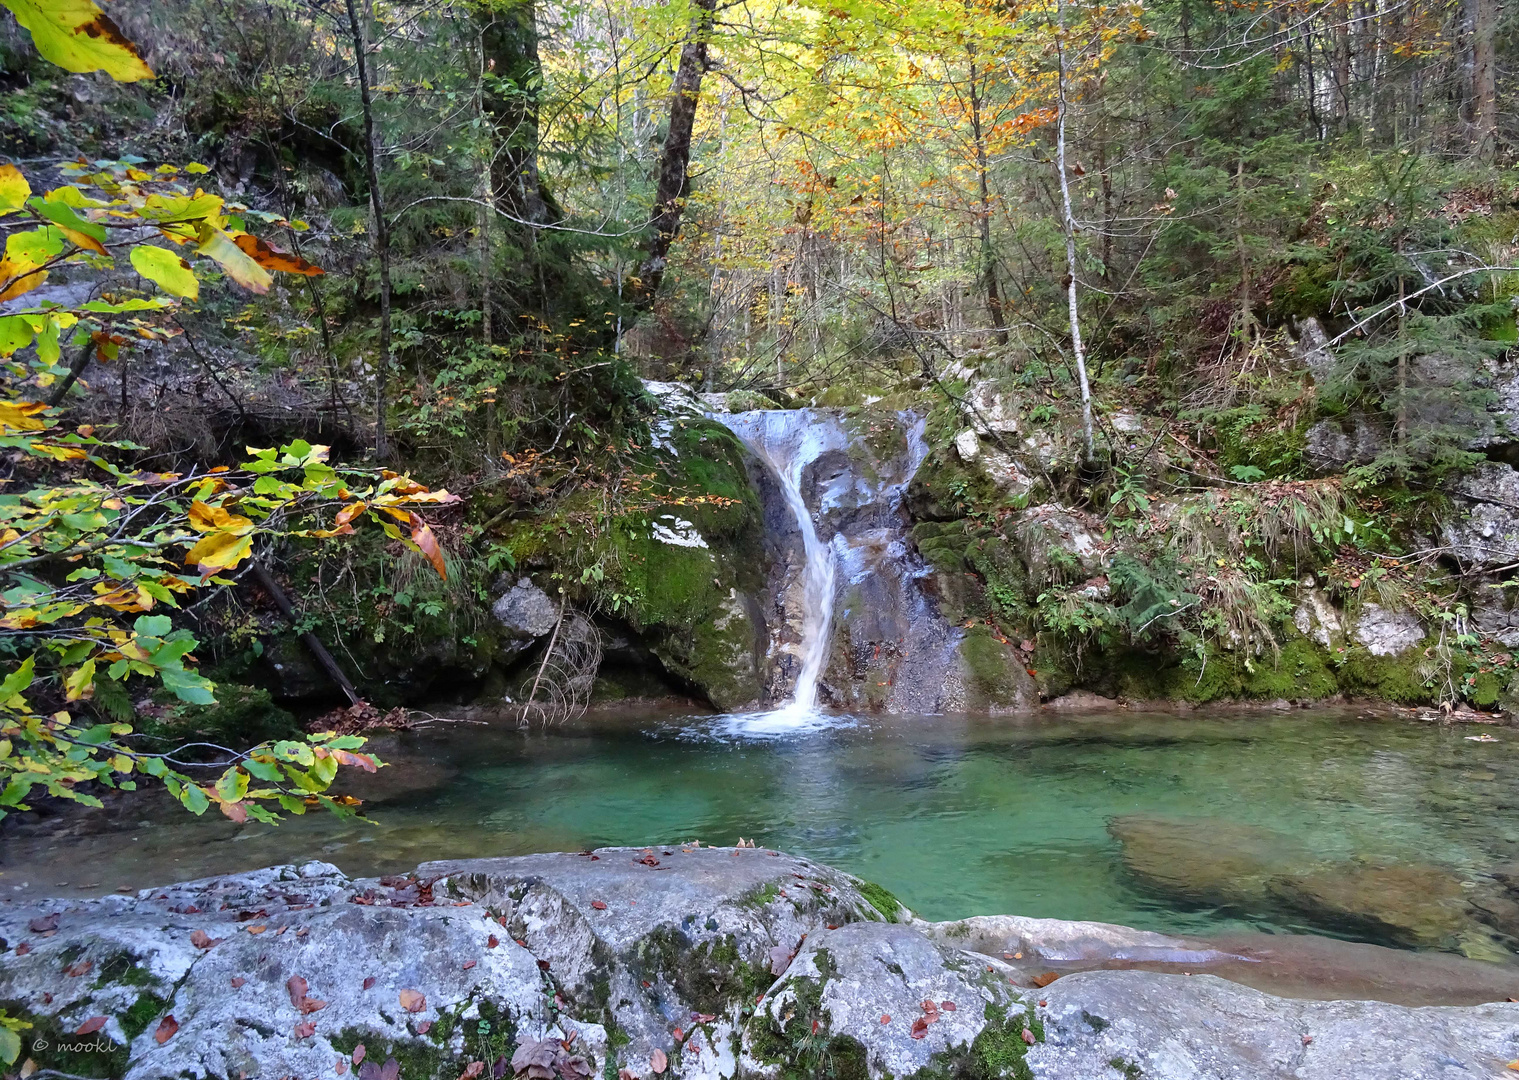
point(17, 681)
point(232, 785)
point(10, 1046)
point(266, 771)
point(77, 36)
point(167, 270)
point(35, 246)
point(194, 798)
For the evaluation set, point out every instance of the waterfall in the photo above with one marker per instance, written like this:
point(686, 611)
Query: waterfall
point(780, 439)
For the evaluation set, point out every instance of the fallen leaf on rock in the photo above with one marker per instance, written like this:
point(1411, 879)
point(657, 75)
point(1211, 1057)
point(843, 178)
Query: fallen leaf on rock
point(658, 1062)
point(1028, 1036)
point(1307, 1040)
point(297, 988)
point(1044, 1004)
point(358, 1053)
point(469, 964)
point(341, 1067)
point(886, 1018)
point(202, 940)
point(237, 982)
point(930, 1007)
point(947, 1006)
point(24, 948)
point(81, 968)
point(680, 1035)
point(628, 1074)
point(166, 1029)
point(919, 1028)
point(1045, 979)
point(43, 924)
point(492, 941)
point(369, 983)
point(599, 905)
point(472, 1070)
point(424, 1026)
point(543, 965)
point(703, 1018)
point(257, 929)
point(412, 1001)
point(305, 1029)
point(90, 1026)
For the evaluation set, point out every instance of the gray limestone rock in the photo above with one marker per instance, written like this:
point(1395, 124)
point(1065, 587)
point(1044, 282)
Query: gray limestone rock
point(711, 963)
point(1486, 535)
point(1176, 1027)
point(1385, 632)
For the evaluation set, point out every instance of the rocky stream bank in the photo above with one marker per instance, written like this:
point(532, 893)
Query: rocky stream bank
point(678, 961)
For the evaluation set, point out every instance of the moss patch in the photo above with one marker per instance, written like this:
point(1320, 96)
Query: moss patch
point(881, 898)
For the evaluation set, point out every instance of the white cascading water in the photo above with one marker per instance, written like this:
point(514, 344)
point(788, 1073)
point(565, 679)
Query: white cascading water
point(786, 452)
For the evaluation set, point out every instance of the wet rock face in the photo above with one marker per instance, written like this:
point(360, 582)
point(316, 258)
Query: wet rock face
point(525, 613)
point(891, 649)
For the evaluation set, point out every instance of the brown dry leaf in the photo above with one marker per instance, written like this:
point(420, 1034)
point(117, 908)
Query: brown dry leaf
point(492, 941)
point(1045, 979)
point(658, 1062)
point(297, 988)
point(166, 1029)
point(412, 1001)
point(1028, 1036)
point(24, 948)
point(341, 1067)
point(237, 982)
point(202, 940)
point(469, 964)
point(424, 1026)
point(626, 1074)
point(257, 929)
point(81, 968)
point(305, 1029)
point(90, 1026)
point(947, 1006)
point(369, 983)
point(358, 1054)
point(472, 1070)
point(599, 905)
point(919, 1028)
point(44, 924)
point(270, 259)
point(886, 1018)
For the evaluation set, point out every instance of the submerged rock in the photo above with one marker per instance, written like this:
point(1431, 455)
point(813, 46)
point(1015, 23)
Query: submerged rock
point(681, 961)
point(1423, 906)
point(1204, 860)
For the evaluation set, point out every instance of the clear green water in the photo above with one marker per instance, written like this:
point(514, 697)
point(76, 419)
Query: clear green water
point(958, 817)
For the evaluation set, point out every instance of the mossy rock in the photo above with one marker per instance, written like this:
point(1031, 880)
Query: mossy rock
point(241, 716)
point(994, 676)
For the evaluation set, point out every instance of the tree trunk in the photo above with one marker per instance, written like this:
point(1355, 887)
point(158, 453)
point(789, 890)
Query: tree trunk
point(984, 211)
point(1068, 226)
point(509, 98)
point(675, 159)
point(381, 232)
point(1485, 78)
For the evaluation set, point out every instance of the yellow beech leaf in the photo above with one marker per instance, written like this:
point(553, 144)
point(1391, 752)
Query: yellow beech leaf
point(124, 597)
point(220, 551)
point(77, 36)
point(218, 245)
point(19, 277)
point(14, 190)
point(18, 415)
point(205, 518)
point(165, 269)
point(79, 684)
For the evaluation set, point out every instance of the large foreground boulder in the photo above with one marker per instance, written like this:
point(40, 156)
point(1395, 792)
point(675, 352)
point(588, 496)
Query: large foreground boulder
point(673, 961)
